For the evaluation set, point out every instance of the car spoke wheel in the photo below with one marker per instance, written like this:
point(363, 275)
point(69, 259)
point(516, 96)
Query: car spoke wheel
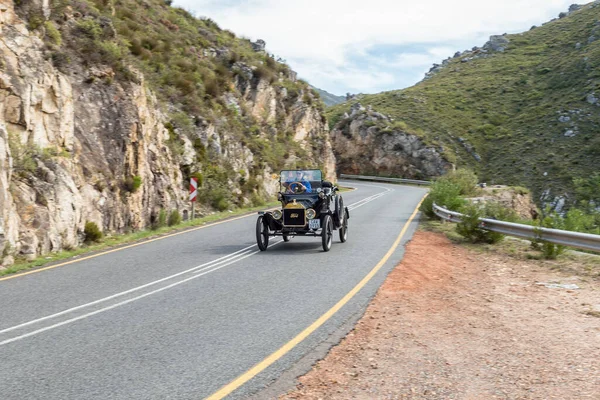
point(344, 228)
point(339, 211)
point(262, 234)
point(327, 232)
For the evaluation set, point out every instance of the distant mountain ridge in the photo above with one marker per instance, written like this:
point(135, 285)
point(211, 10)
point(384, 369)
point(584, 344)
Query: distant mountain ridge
point(523, 109)
point(328, 98)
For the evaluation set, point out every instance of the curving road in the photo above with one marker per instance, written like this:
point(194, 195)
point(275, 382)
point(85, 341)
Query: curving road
point(184, 316)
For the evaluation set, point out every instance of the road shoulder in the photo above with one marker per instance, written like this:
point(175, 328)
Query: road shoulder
point(451, 322)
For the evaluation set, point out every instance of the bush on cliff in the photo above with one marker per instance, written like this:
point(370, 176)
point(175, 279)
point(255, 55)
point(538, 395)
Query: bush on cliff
point(91, 232)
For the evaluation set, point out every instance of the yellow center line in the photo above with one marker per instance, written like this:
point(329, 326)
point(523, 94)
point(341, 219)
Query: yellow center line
point(283, 350)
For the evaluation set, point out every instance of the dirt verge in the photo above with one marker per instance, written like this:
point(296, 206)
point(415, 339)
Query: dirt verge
point(453, 323)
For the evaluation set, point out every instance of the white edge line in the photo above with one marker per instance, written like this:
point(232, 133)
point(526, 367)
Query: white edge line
point(68, 321)
point(208, 265)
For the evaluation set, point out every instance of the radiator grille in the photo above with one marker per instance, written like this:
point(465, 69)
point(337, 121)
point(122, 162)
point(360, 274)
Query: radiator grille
point(294, 217)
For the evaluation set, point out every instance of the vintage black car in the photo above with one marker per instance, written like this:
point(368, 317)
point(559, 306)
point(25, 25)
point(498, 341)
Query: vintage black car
point(310, 206)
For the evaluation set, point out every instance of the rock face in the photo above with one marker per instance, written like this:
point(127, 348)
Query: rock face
point(74, 148)
point(259, 45)
point(364, 143)
point(497, 43)
point(514, 198)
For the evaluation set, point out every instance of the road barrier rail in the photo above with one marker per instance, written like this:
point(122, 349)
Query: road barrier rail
point(385, 179)
point(585, 241)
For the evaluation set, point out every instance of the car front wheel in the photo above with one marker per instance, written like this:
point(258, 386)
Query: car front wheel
point(327, 232)
point(262, 234)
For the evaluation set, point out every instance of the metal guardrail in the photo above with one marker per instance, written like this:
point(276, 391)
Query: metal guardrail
point(585, 241)
point(385, 179)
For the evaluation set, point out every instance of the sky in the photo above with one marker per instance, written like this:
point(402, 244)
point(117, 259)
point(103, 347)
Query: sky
point(360, 46)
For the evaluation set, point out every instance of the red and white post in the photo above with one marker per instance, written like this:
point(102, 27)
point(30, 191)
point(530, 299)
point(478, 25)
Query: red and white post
point(193, 193)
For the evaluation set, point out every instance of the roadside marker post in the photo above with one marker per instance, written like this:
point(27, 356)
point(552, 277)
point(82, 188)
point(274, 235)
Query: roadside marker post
point(193, 193)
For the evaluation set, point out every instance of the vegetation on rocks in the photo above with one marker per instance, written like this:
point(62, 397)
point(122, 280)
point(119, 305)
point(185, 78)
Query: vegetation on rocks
point(111, 106)
point(200, 72)
point(452, 191)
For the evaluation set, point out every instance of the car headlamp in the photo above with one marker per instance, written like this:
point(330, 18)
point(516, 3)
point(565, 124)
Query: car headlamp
point(277, 214)
point(310, 213)
point(321, 195)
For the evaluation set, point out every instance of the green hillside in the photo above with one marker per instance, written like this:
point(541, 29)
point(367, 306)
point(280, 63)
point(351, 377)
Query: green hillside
point(529, 112)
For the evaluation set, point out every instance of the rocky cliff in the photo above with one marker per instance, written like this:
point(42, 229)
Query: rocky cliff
point(86, 139)
point(368, 142)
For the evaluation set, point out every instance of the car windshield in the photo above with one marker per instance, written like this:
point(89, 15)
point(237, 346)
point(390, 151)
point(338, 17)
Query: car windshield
point(309, 178)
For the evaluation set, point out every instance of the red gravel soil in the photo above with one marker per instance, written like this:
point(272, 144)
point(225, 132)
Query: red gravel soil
point(452, 323)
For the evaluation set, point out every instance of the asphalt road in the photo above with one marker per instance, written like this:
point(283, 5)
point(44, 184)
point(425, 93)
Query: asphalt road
point(180, 317)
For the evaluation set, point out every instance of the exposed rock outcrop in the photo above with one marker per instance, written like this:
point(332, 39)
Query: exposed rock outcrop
point(366, 143)
point(497, 43)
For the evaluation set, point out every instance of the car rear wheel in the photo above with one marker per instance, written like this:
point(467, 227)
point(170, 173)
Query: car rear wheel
point(286, 238)
point(339, 211)
point(262, 234)
point(344, 228)
point(327, 233)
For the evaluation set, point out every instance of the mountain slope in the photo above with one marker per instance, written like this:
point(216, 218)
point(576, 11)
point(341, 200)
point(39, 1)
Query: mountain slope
point(522, 110)
point(328, 98)
point(108, 107)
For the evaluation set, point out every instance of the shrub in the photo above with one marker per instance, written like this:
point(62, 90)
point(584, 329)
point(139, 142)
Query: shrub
point(465, 179)
point(174, 218)
point(257, 200)
point(24, 163)
point(521, 190)
point(199, 177)
point(36, 19)
point(132, 184)
point(445, 194)
point(212, 87)
point(161, 220)
point(582, 220)
point(112, 53)
point(550, 251)
point(470, 227)
point(307, 99)
point(89, 28)
point(91, 232)
point(52, 33)
point(60, 60)
point(262, 72)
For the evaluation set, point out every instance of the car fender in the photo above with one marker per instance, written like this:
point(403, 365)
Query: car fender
point(273, 224)
point(338, 215)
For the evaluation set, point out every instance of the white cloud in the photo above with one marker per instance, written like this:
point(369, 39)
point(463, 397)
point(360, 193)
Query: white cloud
point(330, 42)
